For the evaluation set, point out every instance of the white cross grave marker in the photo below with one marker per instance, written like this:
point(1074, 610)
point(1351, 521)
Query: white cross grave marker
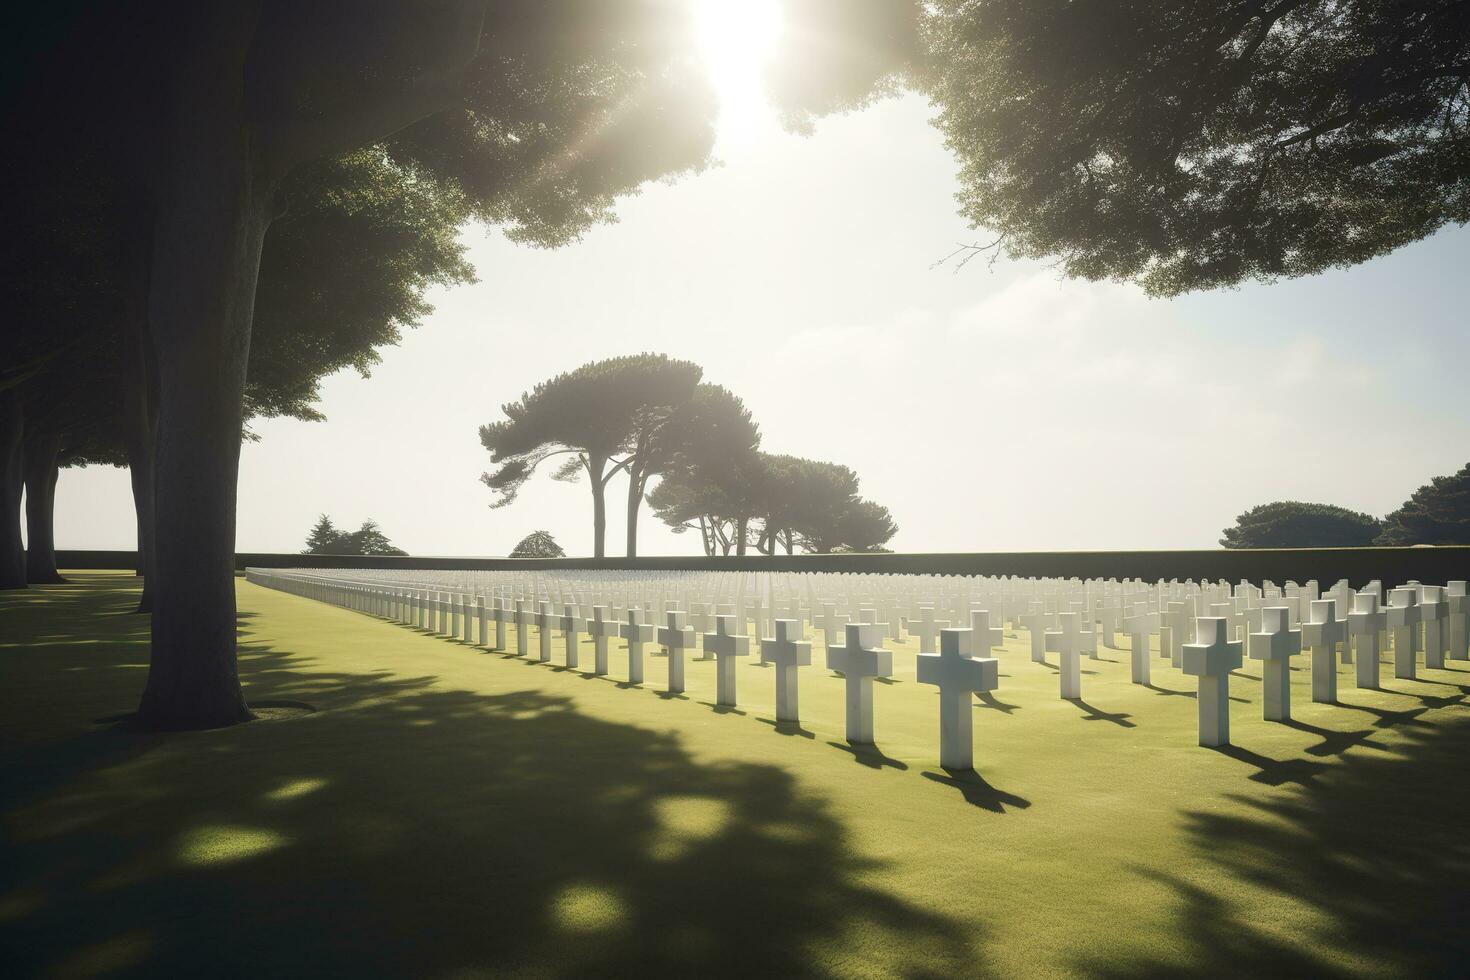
point(1211, 658)
point(637, 633)
point(524, 619)
point(1066, 641)
point(1140, 625)
point(726, 645)
point(546, 620)
point(571, 627)
point(926, 627)
point(601, 628)
point(1274, 646)
point(1035, 622)
point(1459, 606)
point(1435, 612)
point(1365, 622)
point(958, 676)
point(788, 651)
point(860, 660)
point(676, 637)
point(1322, 634)
point(1403, 621)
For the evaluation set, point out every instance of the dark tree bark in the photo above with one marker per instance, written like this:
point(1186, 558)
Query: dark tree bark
point(213, 157)
point(39, 463)
point(12, 479)
point(596, 466)
point(214, 204)
point(139, 379)
point(637, 482)
point(740, 528)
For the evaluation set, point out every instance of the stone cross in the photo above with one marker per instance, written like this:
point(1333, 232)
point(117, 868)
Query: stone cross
point(1274, 646)
point(726, 645)
point(1342, 594)
point(1178, 617)
point(1211, 658)
point(1459, 606)
point(860, 660)
point(1403, 621)
point(1435, 613)
point(926, 627)
point(983, 636)
point(600, 627)
point(500, 615)
point(571, 627)
point(788, 651)
point(958, 676)
point(1140, 625)
point(1035, 623)
point(1322, 634)
point(524, 619)
point(830, 621)
point(637, 633)
point(1067, 642)
point(546, 621)
point(1365, 622)
point(676, 637)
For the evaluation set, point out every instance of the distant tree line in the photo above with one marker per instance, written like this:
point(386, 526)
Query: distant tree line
point(651, 417)
point(1437, 513)
point(326, 539)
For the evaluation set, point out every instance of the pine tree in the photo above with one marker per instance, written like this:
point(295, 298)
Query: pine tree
point(1438, 513)
point(323, 538)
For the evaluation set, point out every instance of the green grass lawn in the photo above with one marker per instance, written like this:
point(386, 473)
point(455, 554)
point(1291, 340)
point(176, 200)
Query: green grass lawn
point(453, 812)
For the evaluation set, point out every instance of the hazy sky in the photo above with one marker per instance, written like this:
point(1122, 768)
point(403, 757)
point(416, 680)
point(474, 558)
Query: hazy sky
point(991, 409)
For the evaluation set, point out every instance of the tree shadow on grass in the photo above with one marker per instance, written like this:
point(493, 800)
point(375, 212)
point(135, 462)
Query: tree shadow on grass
point(408, 829)
point(1377, 849)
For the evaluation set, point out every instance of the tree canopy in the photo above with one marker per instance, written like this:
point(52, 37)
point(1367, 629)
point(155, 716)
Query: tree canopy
point(1437, 513)
point(769, 501)
point(1203, 143)
point(538, 544)
point(603, 416)
point(1292, 524)
point(326, 539)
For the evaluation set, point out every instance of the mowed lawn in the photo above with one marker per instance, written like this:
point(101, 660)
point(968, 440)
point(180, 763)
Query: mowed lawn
point(448, 811)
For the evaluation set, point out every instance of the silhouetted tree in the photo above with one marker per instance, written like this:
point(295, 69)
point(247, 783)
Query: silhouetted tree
point(602, 416)
point(1292, 524)
point(369, 539)
point(538, 544)
point(1437, 513)
point(324, 535)
point(206, 109)
point(540, 112)
point(710, 439)
point(1198, 144)
point(865, 527)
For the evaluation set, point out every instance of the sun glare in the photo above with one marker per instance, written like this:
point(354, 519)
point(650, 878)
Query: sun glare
point(736, 37)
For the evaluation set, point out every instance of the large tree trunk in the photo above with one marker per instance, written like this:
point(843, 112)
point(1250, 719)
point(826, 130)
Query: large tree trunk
point(635, 501)
point(213, 209)
point(595, 467)
point(138, 375)
point(40, 455)
point(12, 480)
point(741, 526)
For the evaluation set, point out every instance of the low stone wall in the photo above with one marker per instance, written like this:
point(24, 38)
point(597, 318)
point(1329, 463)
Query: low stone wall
point(1358, 565)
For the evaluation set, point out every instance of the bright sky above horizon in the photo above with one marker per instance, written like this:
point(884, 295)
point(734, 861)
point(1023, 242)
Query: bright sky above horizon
point(991, 409)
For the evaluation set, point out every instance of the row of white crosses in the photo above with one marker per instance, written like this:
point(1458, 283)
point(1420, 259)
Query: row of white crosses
point(1067, 617)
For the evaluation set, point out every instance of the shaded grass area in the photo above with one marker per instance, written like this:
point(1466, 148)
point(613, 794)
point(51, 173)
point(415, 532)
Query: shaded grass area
point(448, 811)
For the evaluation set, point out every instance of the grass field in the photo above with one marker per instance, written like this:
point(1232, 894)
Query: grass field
point(448, 811)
